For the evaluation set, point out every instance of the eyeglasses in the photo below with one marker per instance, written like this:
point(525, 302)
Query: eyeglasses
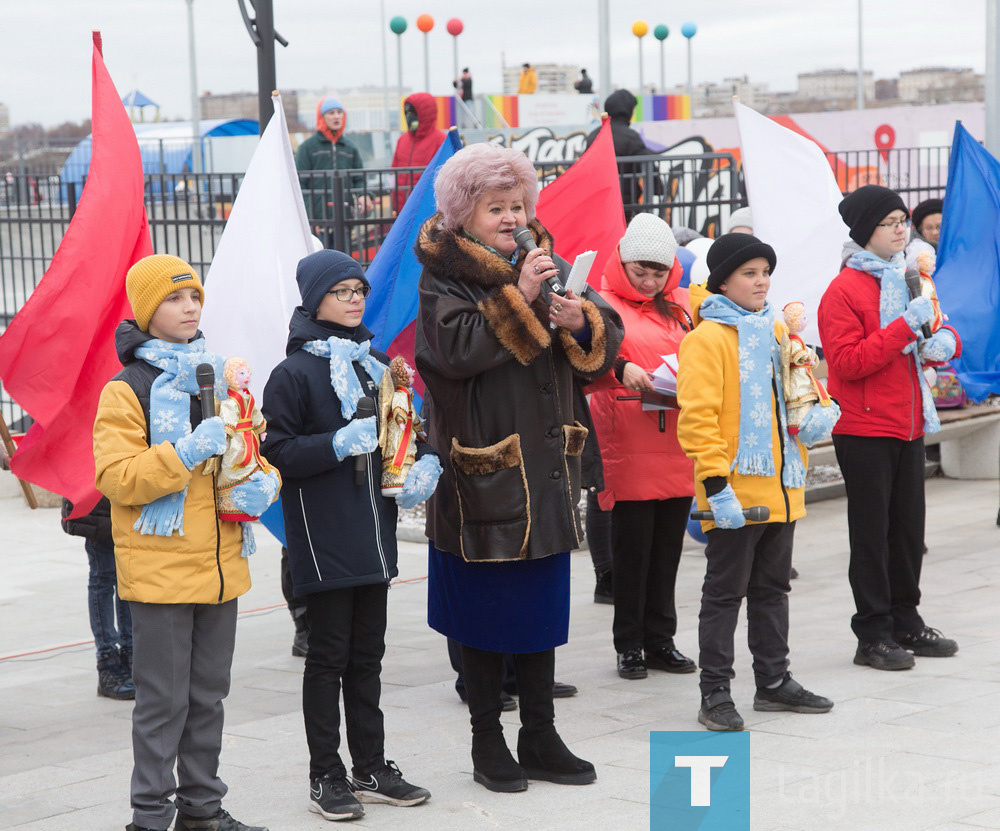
point(346, 295)
point(899, 223)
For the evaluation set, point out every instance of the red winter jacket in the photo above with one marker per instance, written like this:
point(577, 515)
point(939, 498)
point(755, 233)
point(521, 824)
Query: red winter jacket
point(876, 385)
point(641, 461)
point(416, 149)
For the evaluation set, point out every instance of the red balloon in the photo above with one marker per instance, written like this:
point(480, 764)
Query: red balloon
point(455, 27)
point(425, 23)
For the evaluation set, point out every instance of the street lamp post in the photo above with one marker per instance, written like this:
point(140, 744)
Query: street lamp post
point(604, 46)
point(861, 62)
point(398, 26)
point(639, 29)
point(195, 103)
point(425, 23)
point(661, 33)
point(689, 30)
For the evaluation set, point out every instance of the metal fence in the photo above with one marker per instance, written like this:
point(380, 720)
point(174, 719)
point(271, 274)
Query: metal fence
point(353, 210)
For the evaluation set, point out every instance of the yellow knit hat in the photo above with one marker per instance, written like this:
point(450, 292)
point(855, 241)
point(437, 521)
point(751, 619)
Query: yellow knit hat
point(151, 279)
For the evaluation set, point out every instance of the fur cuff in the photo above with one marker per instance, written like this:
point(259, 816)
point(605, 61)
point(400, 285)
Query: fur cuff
point(587, 363)
point(515, 325)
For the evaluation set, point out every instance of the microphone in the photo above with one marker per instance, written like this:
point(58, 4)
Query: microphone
point(366, 409)
point(912, 278)
point(522, 236)
point(205, 375)
point(758, 513)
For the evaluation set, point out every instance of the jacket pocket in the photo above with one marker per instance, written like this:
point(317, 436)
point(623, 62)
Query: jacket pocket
point(493, 499)
point(574, 438)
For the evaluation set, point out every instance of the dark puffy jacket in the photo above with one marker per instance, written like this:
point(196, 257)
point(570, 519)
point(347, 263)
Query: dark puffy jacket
point(338, 534)
point(318, 153)
point(95, 526)
point(619, 106)
point(506, 401)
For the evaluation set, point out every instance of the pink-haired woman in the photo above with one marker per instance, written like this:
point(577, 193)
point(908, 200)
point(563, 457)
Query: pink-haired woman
point(502, 383)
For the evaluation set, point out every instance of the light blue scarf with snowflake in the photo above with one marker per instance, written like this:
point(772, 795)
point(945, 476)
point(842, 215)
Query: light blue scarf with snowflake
point(170, 417)
point(344, 380)
point(759, 362)
point(893, 299)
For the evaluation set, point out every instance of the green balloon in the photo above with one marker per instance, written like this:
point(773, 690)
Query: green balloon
point(661, 32)
point(398, 25)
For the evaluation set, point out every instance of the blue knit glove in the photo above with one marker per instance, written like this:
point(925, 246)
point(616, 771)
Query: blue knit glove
point(726, 509)
point(818, 423)
point(940, 348)
point(421, 481)
point(356, 438)
point(919, 312)
point(255, 494)
point(207, 439)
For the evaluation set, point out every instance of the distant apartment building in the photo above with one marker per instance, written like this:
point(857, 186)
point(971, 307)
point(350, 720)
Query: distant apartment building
point(246, 105)
point(940, 85)
point(552, 77)
point(833, 84)
point(711, 100)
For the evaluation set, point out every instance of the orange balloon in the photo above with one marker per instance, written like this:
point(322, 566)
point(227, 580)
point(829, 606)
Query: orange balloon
point(425, 23)
point(639, 28)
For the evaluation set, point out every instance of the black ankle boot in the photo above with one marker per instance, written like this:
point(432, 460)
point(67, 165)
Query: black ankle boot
point(493, 766)
point(113, 680)
point(544, 756)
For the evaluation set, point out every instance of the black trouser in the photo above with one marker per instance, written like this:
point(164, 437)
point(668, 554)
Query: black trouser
point(755, 562)
point(294, 603)
point(599, 534)
point(648, 537)
point(484, 679)
point(346, 645)
point(884, 478)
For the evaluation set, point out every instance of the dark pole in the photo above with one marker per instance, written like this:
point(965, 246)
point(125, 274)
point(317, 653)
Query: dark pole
point(261, 29)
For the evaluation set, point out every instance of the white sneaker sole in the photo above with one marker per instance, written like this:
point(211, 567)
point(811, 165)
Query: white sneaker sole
point(316, 808)
point(376, 798)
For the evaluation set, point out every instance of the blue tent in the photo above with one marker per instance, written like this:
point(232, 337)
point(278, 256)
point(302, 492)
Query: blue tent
point(165, 146)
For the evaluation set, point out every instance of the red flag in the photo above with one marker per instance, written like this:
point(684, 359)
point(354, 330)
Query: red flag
point(59, 351)
point(583, 207)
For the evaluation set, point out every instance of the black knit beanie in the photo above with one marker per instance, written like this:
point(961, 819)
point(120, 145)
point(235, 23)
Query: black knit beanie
point(729, 252)
point(866, 207)
point(319, 272)
point(925, 209)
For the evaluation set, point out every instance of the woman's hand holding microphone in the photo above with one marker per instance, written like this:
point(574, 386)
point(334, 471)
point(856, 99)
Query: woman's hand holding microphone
point(565, 311)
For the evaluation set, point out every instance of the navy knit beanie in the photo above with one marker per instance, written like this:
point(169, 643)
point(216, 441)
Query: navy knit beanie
point(866, 207)
point(729, 252)
point(319, 272)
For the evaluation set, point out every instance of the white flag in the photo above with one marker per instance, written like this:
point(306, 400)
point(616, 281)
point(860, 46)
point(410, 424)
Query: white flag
point(793, 197)
point(250, 288)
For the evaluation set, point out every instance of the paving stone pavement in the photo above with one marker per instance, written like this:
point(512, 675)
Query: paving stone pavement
point(914, 751)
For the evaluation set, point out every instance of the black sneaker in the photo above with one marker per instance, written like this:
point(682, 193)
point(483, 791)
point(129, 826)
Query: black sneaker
point(790, 696)
point(602, 588)
point(928, 643)
point(887, 655)
point(219, 821)
point(631, 665)
point(114, 681)
point(387, 785)
point(331, 797)
point(668, 659)
point(718, 711)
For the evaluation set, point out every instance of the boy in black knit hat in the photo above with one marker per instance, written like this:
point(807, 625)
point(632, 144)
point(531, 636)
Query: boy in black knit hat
point(877, 341)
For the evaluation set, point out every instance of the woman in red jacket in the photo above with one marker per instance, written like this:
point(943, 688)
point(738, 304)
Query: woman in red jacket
point(417, 145)
point(649, 482)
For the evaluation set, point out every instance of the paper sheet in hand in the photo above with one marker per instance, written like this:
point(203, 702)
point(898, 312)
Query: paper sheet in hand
point(578, 274)
point(665, 375)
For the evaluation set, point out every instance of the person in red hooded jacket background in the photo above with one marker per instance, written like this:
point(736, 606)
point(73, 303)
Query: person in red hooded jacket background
point(417, 146)
point(649, 481)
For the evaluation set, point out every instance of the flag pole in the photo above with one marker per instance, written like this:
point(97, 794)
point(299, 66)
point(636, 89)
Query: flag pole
point(8, 443)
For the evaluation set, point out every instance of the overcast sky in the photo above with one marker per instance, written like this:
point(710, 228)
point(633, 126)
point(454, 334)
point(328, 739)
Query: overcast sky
point(45, 58)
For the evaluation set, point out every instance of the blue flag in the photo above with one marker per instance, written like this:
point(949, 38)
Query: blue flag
point(968, 263)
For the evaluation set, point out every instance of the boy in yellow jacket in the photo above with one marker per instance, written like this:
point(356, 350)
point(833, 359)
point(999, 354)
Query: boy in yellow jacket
point(733, 425)
point(179, 566)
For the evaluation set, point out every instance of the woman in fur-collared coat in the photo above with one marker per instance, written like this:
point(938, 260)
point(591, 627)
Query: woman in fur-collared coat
point(501, 368)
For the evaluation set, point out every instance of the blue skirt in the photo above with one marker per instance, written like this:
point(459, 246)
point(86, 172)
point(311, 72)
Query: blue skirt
point(516, 606)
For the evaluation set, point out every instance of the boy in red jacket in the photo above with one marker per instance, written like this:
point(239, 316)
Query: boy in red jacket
point(873, 339)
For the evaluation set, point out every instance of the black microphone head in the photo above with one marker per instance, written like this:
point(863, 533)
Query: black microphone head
point(758, 513)
point(523, 237)
point(912, 278)
point(205, 375)
point(366, 407)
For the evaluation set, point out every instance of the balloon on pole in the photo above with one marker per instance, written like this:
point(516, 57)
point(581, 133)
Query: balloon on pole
point(455, 27)
point(689, 30)
point(661, 33)
point(639, 29)
point(397, 26)
point(425, 23)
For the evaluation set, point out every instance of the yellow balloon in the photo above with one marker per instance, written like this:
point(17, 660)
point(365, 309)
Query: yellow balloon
point(639, 28)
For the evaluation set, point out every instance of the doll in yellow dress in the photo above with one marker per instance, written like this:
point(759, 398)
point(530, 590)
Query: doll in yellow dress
point(399, 426)
point(801, 387)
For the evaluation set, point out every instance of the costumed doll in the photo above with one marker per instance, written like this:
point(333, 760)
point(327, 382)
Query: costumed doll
point(399, 426)
point(802, 389)
point(242, 468)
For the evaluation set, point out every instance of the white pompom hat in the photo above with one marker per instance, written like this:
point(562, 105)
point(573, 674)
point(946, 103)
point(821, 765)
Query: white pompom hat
point(648, 239)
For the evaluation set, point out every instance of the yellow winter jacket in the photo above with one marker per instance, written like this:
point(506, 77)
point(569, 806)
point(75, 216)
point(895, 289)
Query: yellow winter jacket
point(202, 566)
point(708, 390)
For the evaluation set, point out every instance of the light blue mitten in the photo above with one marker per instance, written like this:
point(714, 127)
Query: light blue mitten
point(818, 423)
point(726, 509)
point(940, 348)
point(356, 438)
point(420, 482)
point(255, 494)
point(207, 439)
point(919, 312)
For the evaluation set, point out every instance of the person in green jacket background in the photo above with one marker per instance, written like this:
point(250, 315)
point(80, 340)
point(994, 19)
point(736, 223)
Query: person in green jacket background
point(329, 150)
